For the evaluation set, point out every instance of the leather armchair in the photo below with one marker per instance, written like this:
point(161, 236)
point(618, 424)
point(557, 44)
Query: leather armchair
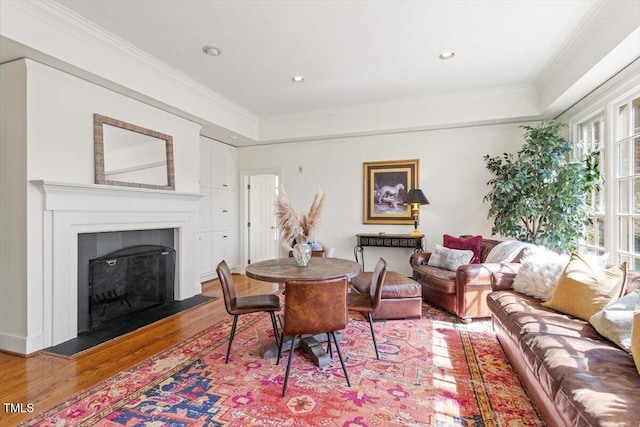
point(462, 292)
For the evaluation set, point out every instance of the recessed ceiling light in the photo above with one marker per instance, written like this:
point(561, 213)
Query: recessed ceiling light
point(297, 79)
point(233, 137)
point(212, 50)
point(447, 55)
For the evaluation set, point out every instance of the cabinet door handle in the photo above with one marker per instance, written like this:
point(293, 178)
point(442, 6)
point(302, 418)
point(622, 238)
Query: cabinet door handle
point(224, 211)
point(225, 236)
point(224, 185)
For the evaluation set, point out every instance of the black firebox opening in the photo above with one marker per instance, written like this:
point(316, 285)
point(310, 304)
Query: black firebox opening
point(129, 280)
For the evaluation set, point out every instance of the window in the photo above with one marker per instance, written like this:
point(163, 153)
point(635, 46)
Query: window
point(627, 142)
point(614, 133)
point(590, 135)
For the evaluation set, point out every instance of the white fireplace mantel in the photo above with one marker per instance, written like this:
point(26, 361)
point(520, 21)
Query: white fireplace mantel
point(72, 209)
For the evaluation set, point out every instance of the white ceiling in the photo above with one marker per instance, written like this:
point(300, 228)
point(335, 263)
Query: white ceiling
point(349, 52)
point(370, 67)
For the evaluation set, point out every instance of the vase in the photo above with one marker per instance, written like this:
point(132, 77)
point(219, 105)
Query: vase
point(301, 254)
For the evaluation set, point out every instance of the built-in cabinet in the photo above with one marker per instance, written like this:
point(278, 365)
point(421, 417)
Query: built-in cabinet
point(218, 206)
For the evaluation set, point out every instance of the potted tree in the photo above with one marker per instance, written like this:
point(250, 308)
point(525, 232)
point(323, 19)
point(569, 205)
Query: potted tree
point(540, 194)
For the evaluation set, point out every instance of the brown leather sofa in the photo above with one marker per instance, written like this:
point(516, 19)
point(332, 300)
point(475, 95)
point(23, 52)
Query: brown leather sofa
point(401, 295)
point(462, 292)
point(574, 376)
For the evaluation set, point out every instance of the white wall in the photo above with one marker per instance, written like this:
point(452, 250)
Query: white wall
point(60, 128)
point(13, 203)
point(47, 134)
point(452, 175)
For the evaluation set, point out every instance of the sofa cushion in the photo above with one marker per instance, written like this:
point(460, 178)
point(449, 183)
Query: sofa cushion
point(395, 285)
point(473, 244)
point(520, 314)
point(615, 320)
point(584, 288)
point(443, 280)
point(581, 370)
point(601, 399)
point(449, 259)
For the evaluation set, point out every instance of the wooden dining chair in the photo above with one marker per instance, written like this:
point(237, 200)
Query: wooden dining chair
point(236, 305)
point(369, 303)
point(313, 307)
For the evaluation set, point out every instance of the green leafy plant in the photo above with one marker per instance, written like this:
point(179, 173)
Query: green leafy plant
point(540, 194)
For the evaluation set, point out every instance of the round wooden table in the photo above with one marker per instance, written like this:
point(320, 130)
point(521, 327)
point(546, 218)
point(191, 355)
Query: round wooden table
point(282, 269)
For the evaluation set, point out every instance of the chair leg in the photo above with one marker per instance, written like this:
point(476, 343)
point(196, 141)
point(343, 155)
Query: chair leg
point(344, 368)
point(280, 348)
point(373, 335)
point(286, 375)
point(233, 333)
point(329, 345)
point(275, 328)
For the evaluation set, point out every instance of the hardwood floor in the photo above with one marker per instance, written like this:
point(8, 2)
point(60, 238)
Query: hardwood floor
point(42, 380)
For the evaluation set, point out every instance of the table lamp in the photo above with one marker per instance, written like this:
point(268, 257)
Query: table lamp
point(415, 198)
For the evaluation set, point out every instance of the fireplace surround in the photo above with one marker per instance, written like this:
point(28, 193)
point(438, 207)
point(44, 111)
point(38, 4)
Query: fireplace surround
point(73, 209)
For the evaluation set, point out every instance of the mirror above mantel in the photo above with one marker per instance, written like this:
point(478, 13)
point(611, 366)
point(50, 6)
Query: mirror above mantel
point(132, 156)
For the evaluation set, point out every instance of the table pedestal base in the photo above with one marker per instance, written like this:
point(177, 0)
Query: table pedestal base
point(314, 347)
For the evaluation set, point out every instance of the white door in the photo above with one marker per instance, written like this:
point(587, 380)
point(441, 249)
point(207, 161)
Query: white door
point(262, 221)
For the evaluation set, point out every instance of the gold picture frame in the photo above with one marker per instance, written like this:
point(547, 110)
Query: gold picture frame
point(386, 184)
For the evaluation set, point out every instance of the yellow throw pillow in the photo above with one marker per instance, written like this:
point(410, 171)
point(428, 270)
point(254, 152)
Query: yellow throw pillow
point(585, 289)
point(635, 340)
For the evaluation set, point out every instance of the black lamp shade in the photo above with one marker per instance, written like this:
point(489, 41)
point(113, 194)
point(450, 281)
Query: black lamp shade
point(416, 196)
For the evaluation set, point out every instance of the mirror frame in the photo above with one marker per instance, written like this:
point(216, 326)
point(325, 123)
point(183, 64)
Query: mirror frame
point(98, 135)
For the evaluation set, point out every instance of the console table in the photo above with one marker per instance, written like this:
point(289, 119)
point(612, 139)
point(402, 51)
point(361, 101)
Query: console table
point(387, 241)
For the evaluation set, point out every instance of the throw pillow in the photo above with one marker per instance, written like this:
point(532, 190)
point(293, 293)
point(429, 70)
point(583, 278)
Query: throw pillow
point(506, 251)
point(449, 259)
point(635, 340)
point(615, 320)
point(541, 269)
point(465, 243)
point(584, 289)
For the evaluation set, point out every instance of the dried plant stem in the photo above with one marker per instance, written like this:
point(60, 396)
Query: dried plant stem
point(298, 226)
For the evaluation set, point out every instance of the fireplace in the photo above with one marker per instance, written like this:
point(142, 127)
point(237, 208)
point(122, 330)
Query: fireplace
point(73, 210)
point(128, 281)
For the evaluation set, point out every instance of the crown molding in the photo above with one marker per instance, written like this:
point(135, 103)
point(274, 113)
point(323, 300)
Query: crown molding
point(63, 39)
point(78, 46)
point(503, 104)
point(603, 45)
point(590, 19)
point(84, 29)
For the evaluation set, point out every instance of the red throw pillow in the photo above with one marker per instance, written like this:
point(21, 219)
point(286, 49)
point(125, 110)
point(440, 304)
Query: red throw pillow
point(469, 243)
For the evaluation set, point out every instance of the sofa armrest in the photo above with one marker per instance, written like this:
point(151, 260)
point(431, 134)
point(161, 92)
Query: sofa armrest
point(487, 274)
point(502, 280)
point(420, 258)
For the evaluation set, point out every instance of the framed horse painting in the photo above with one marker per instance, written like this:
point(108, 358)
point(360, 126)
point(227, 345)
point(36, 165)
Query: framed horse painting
point(386, 185)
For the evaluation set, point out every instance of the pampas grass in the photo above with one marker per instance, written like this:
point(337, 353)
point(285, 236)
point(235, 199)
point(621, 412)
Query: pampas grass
point(294, 225)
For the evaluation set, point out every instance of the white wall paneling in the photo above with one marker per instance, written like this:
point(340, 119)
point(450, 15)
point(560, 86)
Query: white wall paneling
point(218, 207)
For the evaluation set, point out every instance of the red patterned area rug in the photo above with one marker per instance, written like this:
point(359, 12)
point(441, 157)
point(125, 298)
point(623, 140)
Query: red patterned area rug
point(431, 372)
